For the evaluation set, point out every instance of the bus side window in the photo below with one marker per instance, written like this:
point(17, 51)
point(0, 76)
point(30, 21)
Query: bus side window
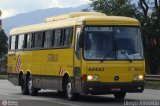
point(32, 40)
point(29, 40)
point(62, 37)
point(16, 43)
point(38, 39)
point(43, 38)
point(68, 36)
point(13, 42)
point(25, 41)
point(20, 41)
point(57, 38)
point(48, 38)
point(53, 37)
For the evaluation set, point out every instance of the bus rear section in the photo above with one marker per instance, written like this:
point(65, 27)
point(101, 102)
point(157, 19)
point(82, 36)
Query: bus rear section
point(113, 61)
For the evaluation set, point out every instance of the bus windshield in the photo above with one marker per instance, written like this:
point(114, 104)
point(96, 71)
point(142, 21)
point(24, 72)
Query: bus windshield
point(110, 43)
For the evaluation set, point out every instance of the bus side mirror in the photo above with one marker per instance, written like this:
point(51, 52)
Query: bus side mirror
point(81, 40)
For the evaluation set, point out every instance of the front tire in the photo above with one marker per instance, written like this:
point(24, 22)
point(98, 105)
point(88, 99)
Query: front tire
point(69, 91)
point(119, 95)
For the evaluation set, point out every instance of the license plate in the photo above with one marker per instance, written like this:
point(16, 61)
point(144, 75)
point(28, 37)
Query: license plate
point(116, 89)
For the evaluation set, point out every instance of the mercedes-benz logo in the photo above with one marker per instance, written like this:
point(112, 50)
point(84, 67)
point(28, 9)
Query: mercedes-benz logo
point(116, 78)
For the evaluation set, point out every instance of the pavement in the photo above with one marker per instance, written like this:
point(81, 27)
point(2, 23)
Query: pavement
point(10, 95)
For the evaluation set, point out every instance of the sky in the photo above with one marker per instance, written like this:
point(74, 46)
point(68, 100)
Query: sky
point(13, 7)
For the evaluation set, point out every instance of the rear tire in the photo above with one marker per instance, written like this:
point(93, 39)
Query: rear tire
point(32, 91)
point(24, 86)
point(119, 95)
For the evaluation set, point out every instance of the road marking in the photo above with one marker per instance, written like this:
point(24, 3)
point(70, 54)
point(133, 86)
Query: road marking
point(51, 100)
point(42, 99)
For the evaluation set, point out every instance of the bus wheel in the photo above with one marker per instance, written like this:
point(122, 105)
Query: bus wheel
point(69, 91)
point(119, 95)
point(24, 87)
point(32, 91)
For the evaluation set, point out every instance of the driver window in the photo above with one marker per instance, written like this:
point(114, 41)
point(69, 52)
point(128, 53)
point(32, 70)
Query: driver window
point(77, 49)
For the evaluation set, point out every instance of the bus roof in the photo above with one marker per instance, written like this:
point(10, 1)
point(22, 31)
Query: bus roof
point(77, 18)
point(73, 15)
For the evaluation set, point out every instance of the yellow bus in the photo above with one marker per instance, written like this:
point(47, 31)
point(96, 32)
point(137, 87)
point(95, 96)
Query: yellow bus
point(78, 53)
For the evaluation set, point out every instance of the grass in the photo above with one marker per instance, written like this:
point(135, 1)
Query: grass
point(3, 73)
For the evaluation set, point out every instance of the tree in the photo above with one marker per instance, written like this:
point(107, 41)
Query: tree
point(148, 13)
point(151, 31)
point(3, 44)
point(114, 7)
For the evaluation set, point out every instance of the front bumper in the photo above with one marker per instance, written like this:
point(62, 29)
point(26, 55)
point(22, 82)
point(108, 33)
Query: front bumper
point(109, 88)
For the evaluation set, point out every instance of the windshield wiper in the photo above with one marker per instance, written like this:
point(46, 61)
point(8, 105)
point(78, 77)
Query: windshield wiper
point(104, 58)
point(127, 57)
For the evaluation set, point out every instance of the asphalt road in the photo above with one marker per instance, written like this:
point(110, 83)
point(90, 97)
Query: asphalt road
point(12, 95)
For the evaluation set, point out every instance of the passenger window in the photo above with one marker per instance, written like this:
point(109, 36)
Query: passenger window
point(57, 38)
point(25, 41)
point(21, 41)
point(32, 40)
point(43, 38)
point(16, 43)
point(29, 40)
point(48, 39)
point(53, 37)
point(13, 42)
point(38, 39)
point(68, 36)
point(62, 37)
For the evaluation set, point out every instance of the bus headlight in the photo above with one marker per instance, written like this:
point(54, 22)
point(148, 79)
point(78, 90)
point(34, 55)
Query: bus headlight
point(92, 77)
point(89, 77)
point(138, 77)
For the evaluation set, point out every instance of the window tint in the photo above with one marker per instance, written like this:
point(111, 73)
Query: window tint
point(13, 40)
point(21, 41)
point(38, 39)
point(68, 36)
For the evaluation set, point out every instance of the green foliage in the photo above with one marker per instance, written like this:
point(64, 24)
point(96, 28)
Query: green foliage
point(114, 7)
point(148, 13)
point(3, 44)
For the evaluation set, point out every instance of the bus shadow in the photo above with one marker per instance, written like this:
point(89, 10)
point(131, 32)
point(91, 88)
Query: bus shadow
point(86, 98)
point(89, 99)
